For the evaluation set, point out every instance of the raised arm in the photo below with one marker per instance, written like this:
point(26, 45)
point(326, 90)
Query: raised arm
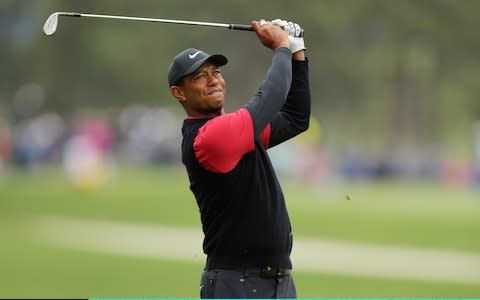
point(294, 116)
point(222, 141)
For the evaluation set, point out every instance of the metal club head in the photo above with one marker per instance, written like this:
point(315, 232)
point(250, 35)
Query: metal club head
point(50, 25)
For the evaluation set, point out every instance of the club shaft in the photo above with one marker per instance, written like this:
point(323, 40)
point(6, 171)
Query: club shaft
point(223, 25)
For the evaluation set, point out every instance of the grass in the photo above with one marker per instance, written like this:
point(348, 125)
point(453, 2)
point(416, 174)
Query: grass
point(388, 213)
point(392, 213)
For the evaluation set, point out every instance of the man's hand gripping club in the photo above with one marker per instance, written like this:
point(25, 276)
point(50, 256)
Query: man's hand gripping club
point(295, 34)
point(271, 36)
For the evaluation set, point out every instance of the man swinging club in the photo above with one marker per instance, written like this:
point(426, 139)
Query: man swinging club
point(247, 230)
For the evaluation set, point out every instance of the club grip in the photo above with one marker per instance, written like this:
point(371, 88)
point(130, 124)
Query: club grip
point(241, 27)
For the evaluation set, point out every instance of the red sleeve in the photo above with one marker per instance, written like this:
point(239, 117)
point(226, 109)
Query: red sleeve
point(265, 136)
point(222, 141)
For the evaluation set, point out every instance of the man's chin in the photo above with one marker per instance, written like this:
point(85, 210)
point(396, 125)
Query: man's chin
point(218, 100)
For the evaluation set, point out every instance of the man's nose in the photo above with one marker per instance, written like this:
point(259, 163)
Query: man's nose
point(212, 79)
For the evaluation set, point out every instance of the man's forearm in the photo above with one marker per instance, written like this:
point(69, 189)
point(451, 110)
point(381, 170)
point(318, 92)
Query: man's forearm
point(272, 94)
point(297, 105)
point(295, 114)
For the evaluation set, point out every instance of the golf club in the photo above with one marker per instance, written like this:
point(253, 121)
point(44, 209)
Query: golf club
point(52, 22)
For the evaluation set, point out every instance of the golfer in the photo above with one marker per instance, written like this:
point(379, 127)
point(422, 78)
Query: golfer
point(248, 237)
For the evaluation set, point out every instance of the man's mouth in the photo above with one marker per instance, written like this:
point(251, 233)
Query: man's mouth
point(214, 91)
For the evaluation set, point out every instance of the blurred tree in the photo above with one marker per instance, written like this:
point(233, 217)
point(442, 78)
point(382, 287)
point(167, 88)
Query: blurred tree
point(385, 73)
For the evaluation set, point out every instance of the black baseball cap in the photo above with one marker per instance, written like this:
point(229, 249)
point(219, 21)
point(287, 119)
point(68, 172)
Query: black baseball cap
point(188, 61)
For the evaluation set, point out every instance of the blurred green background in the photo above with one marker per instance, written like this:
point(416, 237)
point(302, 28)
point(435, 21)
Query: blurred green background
point(388, 174)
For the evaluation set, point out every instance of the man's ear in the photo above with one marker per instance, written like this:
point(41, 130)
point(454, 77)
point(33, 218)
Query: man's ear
point(177, 92)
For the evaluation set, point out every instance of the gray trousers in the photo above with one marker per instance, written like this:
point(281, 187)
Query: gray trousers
point(238, 284)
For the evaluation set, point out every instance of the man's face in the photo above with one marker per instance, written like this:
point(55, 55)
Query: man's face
point(202, 93)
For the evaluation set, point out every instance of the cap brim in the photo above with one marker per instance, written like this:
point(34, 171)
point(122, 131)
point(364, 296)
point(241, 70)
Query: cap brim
point(218, 59)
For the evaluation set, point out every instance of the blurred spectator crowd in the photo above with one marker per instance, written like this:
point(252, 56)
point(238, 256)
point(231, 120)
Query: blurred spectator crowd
point(92, 140)
point(137, 134)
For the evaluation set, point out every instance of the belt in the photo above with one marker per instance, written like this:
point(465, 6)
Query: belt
point(268, 272)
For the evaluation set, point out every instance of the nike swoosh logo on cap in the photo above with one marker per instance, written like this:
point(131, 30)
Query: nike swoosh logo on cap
point(192, 56)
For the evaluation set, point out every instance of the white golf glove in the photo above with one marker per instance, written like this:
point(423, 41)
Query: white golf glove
point(295, 34)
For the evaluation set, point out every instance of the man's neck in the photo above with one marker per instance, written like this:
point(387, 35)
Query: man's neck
point(196, 115)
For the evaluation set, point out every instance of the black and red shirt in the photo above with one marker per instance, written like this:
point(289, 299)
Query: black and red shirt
point(242, 207)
